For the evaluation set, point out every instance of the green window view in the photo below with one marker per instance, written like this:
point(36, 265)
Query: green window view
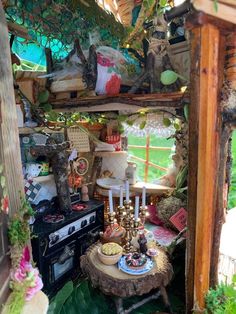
point(152, 155)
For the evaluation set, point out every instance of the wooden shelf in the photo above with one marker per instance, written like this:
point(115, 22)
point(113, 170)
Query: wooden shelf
point(27, 130)
point(121, 101)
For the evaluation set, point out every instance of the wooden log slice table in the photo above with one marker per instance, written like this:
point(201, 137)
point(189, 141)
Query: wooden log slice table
point(113, 282)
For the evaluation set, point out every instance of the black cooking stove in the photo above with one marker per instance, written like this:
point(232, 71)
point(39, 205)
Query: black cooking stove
point(57, 247)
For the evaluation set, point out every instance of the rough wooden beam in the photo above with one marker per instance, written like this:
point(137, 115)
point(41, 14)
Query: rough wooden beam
point(174, 100)
point(224, 12)
point(18, 30)
point(9, 149)
point(219, 218)
point(229, 116)
point(193, 166)
point(223, 144)
point(200, 18)
point(208, 149)
point(8, 127)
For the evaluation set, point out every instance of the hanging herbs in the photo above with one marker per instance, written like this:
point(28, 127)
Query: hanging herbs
point(18, 230)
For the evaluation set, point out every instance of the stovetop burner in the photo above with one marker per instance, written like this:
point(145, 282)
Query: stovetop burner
point(79, 207)
point(53, 219)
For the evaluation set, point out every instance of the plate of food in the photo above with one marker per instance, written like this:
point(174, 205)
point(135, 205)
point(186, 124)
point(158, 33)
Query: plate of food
point(135, 264)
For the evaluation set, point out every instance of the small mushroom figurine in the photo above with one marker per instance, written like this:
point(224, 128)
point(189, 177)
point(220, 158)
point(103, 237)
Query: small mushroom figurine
point(142, 241)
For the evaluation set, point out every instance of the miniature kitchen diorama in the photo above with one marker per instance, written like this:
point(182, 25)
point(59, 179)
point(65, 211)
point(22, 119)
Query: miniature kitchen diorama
point(100, 210)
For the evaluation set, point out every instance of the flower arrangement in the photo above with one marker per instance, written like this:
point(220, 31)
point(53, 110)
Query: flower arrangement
point(25, 280)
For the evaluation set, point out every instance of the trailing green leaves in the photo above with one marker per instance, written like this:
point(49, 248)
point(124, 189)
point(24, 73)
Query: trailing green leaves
point(59, 300)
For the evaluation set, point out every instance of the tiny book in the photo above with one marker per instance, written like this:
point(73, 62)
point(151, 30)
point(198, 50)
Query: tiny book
point(179, 219)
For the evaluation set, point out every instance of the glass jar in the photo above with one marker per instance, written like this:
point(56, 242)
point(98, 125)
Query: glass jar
point(130, 173)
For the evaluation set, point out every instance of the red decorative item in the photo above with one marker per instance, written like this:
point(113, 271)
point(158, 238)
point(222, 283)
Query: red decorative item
point(179, 219)
point(152, 215)
point(115, 140)
point(113, 85)
point(79, 207)
point(102, 60)
point(5, 204)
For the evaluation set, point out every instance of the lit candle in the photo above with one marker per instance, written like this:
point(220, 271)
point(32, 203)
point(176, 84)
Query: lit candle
point(144, 197)
point(121, 196)
point(136, 207)
point(110, 201)
point(127, 191)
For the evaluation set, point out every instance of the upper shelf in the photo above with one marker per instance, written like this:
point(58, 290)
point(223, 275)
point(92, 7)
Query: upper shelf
point(27, 130)
point(102, 103)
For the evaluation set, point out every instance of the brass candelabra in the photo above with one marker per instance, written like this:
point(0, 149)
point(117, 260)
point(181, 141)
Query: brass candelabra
point(125, 217)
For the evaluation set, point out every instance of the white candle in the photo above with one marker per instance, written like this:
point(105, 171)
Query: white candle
point(127, 191)
point(144, 197)
point(110, 201)
point(121, 196)
point(136, 209)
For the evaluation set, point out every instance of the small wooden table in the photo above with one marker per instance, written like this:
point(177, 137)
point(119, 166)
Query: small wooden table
point(113, 282)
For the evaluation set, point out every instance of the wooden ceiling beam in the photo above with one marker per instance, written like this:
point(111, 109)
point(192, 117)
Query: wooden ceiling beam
point(195, 19)
point(226, 12)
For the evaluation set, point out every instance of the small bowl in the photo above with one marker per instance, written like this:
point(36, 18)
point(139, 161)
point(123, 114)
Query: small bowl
point(109, 259)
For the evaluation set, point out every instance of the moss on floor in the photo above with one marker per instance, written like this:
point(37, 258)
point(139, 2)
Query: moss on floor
point(83, 299)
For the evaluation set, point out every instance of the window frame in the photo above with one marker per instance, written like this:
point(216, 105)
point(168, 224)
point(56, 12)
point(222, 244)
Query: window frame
point(147, 161)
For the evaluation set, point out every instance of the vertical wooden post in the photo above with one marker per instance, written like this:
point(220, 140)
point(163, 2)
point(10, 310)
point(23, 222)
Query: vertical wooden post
point(193, 166)
point(9, 150)
point(204, 151)
point(9, 125)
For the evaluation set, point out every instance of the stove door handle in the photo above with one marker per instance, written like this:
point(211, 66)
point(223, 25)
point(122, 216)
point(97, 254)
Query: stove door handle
point(93, 234)
point(67, 253)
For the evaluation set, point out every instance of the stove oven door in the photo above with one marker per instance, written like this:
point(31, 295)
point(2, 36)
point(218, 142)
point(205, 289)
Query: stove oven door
point(60, 265)
point(87, 239)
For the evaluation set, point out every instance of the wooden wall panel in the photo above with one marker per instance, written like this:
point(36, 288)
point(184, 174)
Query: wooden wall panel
point(9, 125)
point(9, 150)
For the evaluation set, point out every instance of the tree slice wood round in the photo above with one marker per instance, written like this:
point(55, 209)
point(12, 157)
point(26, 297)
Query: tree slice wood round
point(112, 281)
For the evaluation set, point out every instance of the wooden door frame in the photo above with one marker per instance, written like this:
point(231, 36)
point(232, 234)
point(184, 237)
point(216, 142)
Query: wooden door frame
point(208, 151)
